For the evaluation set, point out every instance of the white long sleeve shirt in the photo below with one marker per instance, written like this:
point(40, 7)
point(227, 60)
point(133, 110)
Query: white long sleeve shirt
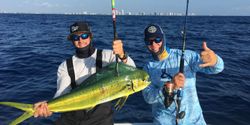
point(83, 68)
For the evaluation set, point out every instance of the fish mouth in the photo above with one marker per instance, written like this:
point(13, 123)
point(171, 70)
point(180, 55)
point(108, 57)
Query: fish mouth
point(147, 82)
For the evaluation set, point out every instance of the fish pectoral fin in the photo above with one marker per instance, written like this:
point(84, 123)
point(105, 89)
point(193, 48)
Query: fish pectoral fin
point(120, 103)
point(23, 117)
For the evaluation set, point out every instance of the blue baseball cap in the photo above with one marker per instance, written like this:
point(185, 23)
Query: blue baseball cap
point(152, 31)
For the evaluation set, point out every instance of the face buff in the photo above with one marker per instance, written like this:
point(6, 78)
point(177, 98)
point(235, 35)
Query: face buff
point(162, 53)
point(85, 52)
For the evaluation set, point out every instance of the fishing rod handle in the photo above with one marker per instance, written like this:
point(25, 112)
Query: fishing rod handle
point(114, 29)
point(181, 70)
point(179, 93)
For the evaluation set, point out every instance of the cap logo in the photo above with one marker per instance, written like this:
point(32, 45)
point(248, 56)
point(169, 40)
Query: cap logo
point(152, 29)
point(74, 28)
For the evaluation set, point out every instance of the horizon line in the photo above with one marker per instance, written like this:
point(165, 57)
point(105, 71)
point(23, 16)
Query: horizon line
point(98, 14)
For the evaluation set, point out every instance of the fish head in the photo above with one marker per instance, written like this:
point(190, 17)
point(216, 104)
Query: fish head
point(141, 81)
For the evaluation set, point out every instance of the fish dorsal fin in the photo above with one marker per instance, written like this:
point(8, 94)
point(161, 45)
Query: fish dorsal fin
point(120, 103)
point(102, 73)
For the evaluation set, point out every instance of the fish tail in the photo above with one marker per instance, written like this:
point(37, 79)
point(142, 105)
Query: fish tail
point(21, 118)
point(28, 108)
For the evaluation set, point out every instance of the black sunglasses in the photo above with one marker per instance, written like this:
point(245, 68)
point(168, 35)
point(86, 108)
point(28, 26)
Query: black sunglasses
point(75, 37)
point(156, 40)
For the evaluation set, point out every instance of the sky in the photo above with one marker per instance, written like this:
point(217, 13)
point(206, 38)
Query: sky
point(199, 7)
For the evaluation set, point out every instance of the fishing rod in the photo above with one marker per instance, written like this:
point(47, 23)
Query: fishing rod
point(115, 33)
point(180, 115)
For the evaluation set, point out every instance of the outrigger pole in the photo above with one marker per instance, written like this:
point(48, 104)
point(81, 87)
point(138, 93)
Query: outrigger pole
point(180, 115)
point(115, 33)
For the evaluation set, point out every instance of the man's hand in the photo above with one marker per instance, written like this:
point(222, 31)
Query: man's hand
point(118, 49)
point(208, 56)
point(179, 80)
point(41, 109)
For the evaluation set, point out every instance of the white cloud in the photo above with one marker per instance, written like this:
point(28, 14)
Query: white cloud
point(245, 8)
point(39, 3)
point(48, 5)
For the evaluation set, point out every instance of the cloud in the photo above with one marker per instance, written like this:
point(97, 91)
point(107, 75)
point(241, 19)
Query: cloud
point(48, 5)
point(243, 8)
point(39, 4)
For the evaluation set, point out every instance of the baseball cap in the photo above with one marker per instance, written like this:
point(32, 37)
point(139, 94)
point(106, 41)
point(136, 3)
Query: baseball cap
point(152, 31)
point(80, 26)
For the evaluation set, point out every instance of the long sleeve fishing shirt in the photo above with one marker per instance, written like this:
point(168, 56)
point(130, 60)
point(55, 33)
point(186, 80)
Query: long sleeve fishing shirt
point(163, 71)
point(83, 68)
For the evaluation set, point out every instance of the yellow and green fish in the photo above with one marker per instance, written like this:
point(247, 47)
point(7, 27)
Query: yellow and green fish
point(101, 87)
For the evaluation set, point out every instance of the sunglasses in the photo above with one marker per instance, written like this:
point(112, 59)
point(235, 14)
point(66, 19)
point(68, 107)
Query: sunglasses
point(75, 37)
point(156, 40)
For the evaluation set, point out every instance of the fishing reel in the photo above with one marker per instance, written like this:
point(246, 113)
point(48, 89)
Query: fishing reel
point(168, 92)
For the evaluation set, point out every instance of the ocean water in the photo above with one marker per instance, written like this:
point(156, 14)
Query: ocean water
point(32, 47)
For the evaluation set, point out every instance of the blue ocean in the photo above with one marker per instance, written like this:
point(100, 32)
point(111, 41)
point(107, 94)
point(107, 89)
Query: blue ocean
point(33, 45)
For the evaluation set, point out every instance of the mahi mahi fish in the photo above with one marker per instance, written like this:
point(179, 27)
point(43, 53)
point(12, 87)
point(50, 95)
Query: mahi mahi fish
point(103, 86)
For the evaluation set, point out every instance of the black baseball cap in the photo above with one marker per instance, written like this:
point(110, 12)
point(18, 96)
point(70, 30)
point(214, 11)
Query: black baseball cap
point(80, 26)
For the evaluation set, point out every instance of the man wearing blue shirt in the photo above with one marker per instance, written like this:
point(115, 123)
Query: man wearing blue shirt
point(164, 71)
